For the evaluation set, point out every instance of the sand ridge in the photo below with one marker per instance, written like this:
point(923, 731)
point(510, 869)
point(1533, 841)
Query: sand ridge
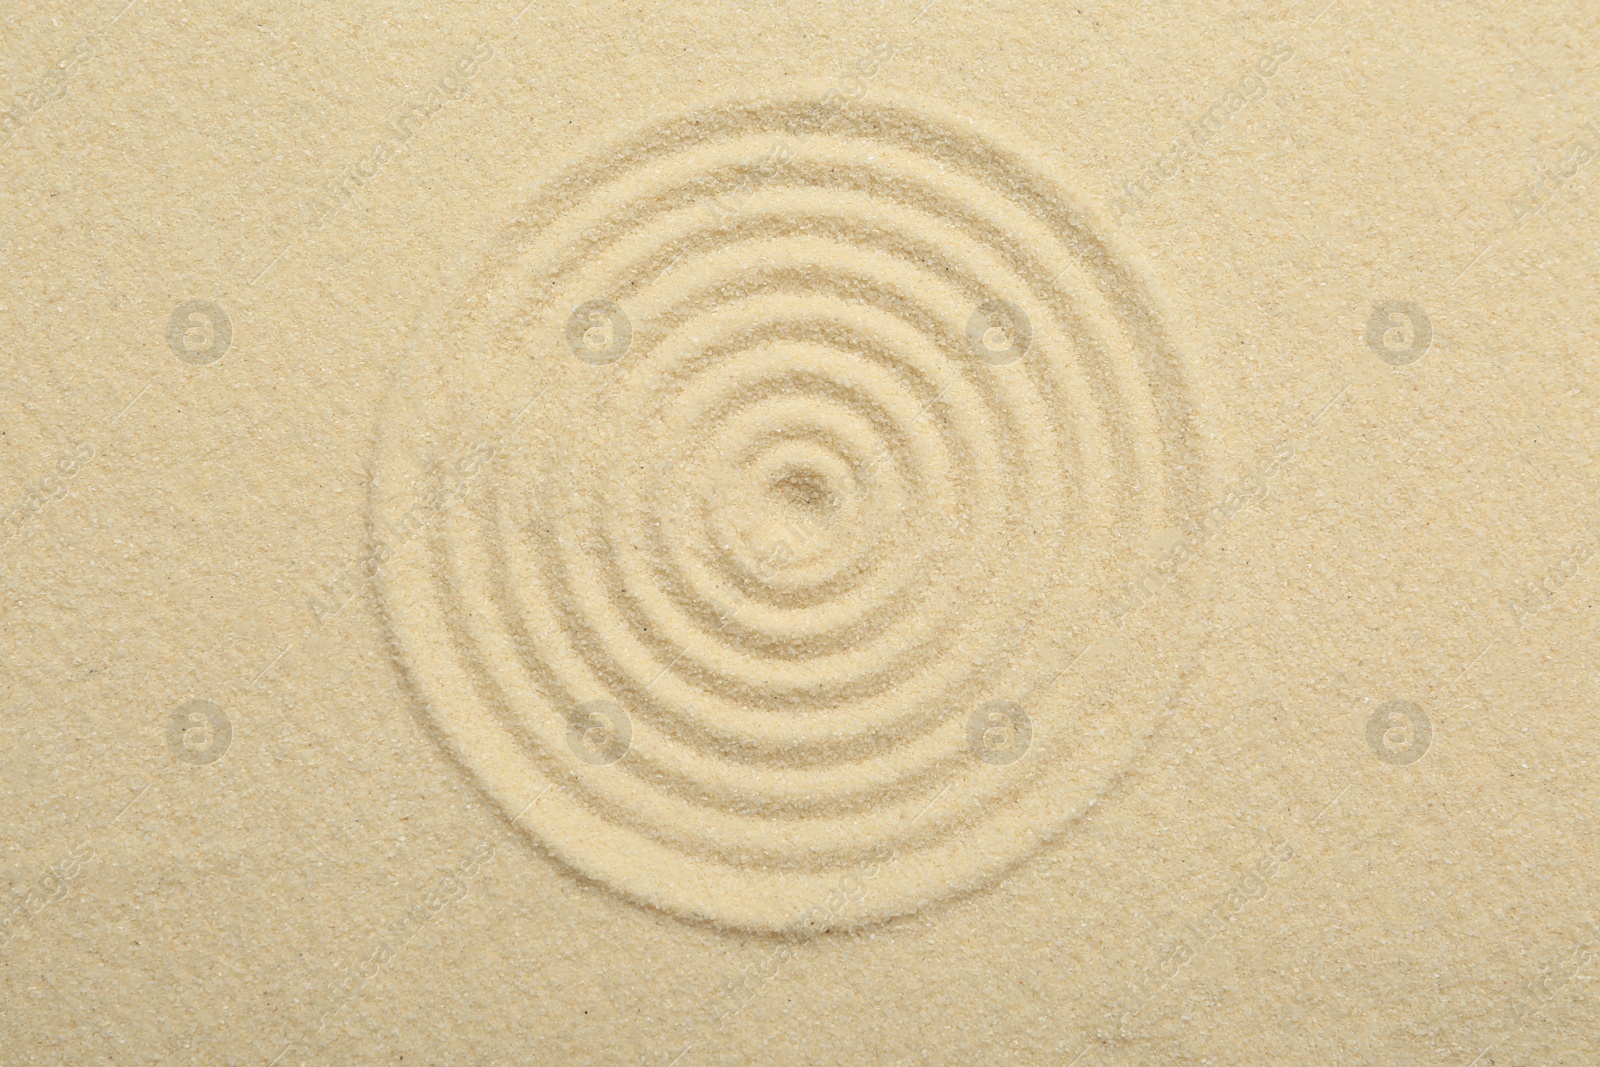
point(794, 510)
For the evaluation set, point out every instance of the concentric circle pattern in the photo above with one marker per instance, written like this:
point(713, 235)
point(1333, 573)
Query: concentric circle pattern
point(797, 466)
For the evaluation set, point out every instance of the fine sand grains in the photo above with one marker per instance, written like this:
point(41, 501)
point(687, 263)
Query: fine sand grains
point(766, 539)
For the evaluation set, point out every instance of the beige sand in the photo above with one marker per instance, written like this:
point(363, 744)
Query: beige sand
point(762, 534)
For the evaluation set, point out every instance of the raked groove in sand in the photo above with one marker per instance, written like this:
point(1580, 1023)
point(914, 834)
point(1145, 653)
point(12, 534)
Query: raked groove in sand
point(800, 489)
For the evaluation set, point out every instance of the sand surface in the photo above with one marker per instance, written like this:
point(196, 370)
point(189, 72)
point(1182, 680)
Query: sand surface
point(848, 534)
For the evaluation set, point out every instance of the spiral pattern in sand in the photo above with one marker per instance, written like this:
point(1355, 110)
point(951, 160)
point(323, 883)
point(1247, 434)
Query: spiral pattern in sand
point(810, 434)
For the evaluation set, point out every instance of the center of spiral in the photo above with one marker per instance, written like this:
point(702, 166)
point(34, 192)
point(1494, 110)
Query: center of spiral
point(786, 505)
point(803, 495)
